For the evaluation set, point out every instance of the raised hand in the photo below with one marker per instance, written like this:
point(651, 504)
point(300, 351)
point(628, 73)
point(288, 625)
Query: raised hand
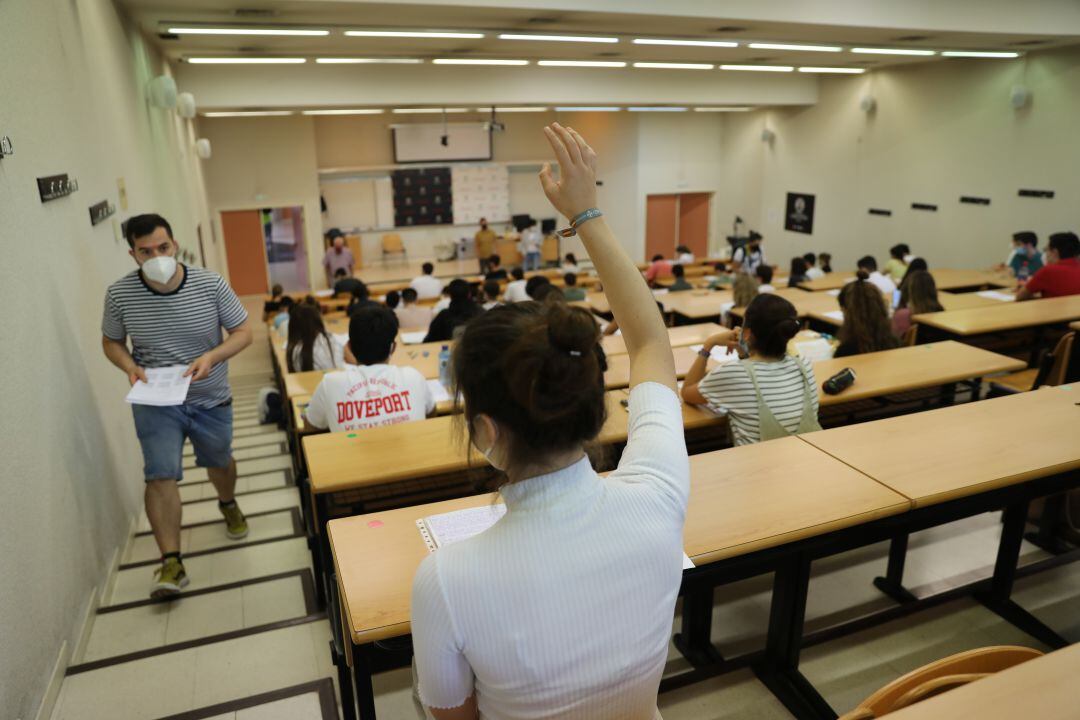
point(575, 190)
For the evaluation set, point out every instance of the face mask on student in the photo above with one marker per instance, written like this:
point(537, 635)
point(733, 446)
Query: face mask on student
point(159, 269)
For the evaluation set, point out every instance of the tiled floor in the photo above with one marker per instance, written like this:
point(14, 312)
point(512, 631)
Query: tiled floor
point(194, 653)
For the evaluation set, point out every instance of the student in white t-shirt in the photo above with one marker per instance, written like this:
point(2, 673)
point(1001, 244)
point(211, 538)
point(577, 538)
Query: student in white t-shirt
point(683, 255)
point(764, 275)
point(427, 286)
point(813, 272)
point(491, 294)
point(310, 347)
point(371, 393)
point(869, 265)
point(409, 314)
point(515, 289)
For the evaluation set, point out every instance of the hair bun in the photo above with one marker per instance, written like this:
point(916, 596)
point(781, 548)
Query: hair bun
point(788, 329)
point(862, 275)
point(571, 329)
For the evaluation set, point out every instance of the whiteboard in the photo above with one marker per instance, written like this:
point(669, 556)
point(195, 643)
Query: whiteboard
point(422, 142)
point(480, 191)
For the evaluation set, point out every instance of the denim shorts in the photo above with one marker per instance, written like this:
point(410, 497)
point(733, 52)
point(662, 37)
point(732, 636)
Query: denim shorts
point(162, 431)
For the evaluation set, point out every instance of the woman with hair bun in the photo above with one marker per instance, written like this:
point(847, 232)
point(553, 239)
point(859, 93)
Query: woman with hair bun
point(564, 607)
point(768, 394)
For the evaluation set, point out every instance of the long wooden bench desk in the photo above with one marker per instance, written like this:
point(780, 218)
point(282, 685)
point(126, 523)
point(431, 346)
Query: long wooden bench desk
point(832, 315)
point(944, 278)
point(695, 305)
point(1005, 316)
point(681, 336)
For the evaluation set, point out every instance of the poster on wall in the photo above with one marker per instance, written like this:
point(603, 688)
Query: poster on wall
point(799, 213)
point(422, 197)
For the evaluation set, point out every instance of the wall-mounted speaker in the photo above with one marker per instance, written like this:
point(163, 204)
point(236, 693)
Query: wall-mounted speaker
point(202, 148)
point(868, 104)
point(185, 105)
point(163, 92)
point(1019, 96)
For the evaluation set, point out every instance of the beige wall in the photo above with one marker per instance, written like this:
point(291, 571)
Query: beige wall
point(941, 130)
point(72, 475)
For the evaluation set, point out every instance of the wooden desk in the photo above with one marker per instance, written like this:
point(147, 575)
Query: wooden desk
point(1043, 688)
point(1004, 316)
point(1074, 325)
point(961, 450)
point(832, 281)
point(963, 301)
point(678, 336)
point(598, 303)
point(695, 304)
point(742, 500)
point(944, 278)
point(618, 372)
point(805, 302)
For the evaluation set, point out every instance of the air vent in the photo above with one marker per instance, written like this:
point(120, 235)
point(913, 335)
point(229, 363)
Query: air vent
point(542, 20)
point(252, 49)
point(168, 36)
point(254, 12)
point(911, 38)
point(730, 29)
point(608, 54)
point(760, 59)
point(1028, 43)
point(864, 62)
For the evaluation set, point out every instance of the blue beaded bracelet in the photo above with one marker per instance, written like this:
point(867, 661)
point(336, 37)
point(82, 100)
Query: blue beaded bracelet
point(580, 218)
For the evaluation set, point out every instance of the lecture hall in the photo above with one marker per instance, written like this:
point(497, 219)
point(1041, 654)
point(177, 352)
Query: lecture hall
point(540, 360)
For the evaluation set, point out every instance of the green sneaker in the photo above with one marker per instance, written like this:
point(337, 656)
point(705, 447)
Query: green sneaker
point(171, 579)
point(236, 526)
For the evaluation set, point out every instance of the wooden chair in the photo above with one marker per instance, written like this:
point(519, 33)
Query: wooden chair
point(1050, 371)
point(938, 677)
point(392, 244)
point(910, 336)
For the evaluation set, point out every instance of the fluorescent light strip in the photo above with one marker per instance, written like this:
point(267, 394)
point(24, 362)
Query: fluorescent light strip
point(345, 111)
point(759, 68)
point(582, 63)
point(246, 61)
point(657, 109)
point(688, 43)
point(797, 48)
point(598, 108)
point(513, 109)
point(362, 61)
point(722, 109)
point(244, 31)
point(428, 111)
point(891, 51)
point(560, 38)
point(834, 70)
point(474, 61)
point(247, 113)
point(674, 66)
point(979, 54)
point(412, 34)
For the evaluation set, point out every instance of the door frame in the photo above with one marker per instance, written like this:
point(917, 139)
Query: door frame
point(219, 230)
point(643, 214)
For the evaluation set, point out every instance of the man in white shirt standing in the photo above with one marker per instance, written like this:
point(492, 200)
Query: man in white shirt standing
point(371, 393)
point(427, 286)
point(869, 265)
point(531, 238)
point(515, 289)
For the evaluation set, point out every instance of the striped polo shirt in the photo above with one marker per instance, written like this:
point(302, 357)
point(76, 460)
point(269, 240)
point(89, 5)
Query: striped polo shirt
point(175, 328)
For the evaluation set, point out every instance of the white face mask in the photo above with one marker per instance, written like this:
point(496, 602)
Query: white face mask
point(159, 269)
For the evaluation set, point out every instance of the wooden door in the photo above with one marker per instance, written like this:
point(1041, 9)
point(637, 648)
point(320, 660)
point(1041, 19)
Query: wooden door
point(245, 251)
point(661, 218)
point(694, 222)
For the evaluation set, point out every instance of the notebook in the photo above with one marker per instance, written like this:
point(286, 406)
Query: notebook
point(438, 391)
point(996, 295)
point(413, 338)
point(449, 528)
point(719, 353)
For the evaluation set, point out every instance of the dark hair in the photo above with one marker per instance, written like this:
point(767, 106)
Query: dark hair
point(773, 321)
point(810, 258)
point(1066, 244)
point(533, 283)
point(309, 299)
point(409, 295)
point(677, 270)
point(546, 292)
point(340, 273)
point(798, 267)
point(491, 289)
point(459, 291)
point(915, 265)
point(276, 290)
point(372, 330)
point(682, 249)
point(393, 298)
point(495, 260)
point(427, 268)
point(657, 257)
point(305, 328)
point(570, 279)
point(143, 225)
point(755, 236)
point(517, 273)
point(868, 263)
point(866, 325)
point(826, 262)
point(536, 369)
point(918, 293)
point(360, 291)
point(899, 251)
point(1026, 237)
point(570, 258)
point(764, 273)
point(286, 302)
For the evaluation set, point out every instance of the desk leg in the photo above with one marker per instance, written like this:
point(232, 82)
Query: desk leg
point(1046, 536)
point(365, 694)
point(695, 640)
point(324, 563)
point(997, 598)
point(780, 669)
point(892, 584)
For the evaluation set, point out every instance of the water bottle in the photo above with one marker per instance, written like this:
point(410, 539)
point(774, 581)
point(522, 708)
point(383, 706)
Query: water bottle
point(444, 366)
point(1023, 273)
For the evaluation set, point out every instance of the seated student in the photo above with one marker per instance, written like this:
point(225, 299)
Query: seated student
point(744, 290)
point(659, 268)
point(768, 394)
point(572, 292)
point(443, 303)
point(866, 325)
point(896, 267)
point(310, 347)
point(497, 620)
point(914, 266)
point(533, 284)
point(284, 306)
point(813, 272)
point(495, 271)
point(427, 286)
point(1025, 260)
point(491, 294)
point(372, 392)
point(918, 294)
point(515, 289)
point(546, 292)
point(409, 314)
point(343, 283)
point(272, 306)
point(1061, 275)
point(825, 262)
point(360, 298)
point(461, 310)
point(680, 279)
point(798, 272)
point(764, 275)
point(868, 264)
point(683, 255)
point(393, 299)
point(570, 264)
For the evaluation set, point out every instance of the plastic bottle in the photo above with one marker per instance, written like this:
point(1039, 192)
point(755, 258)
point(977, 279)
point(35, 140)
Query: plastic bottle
point(444, 366)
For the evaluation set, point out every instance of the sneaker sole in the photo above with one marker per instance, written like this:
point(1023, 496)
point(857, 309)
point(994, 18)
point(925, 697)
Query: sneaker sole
point(236, 536)
point(161, 590)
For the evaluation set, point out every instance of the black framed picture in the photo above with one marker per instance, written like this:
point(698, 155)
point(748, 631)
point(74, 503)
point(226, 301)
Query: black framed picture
point(799, 213)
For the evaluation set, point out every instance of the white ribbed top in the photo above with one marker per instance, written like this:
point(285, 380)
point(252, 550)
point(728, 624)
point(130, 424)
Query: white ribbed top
point(563, 609)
